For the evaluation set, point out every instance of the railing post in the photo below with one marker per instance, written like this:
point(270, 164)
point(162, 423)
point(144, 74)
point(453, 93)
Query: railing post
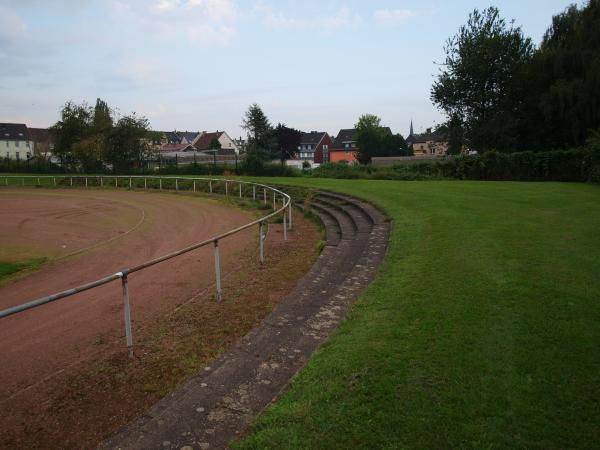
point(240, 190)
point(101, 181)
point(116, 179)
point(6, 181)
point(290, 214)
point(210, 186)
point(54, 181)
point(176, 184)
point(284, 225)
point(71, 181)
point(254, 193)
point(261, 244)
point(127, 314)
point(129, 182)
point(145, 183)
point(265, 195)
point(86, 182)
point(226, 188)
point(194, 185)
point(160, 184)
point(39, 184)
point(218, 270)
point(274, 204)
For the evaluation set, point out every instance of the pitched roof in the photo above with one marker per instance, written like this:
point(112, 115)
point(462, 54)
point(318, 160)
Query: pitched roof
point(314, 137)
point(204, 142)
point(14, 132)
point(424, 137)
point(39, 134)
point(177, 148)
point(346, 135)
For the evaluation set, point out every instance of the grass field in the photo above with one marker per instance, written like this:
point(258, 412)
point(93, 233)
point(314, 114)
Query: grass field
point(481, 330)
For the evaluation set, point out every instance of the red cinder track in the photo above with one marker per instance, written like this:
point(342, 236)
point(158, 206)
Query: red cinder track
point(87, 235)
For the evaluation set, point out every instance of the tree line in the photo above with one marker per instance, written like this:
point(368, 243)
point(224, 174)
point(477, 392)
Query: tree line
point(95, 138)
point(501, 92)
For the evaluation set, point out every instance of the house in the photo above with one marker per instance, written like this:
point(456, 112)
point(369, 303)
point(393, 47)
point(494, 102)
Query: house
point(43, 145)
point(177, 148)
point(427, 143)
point(15, 142)
point(344, 147)
point(314, 147)
point(227, 144)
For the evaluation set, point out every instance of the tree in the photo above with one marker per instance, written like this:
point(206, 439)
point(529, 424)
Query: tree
point(393, 145)
point(452, 131)
point(372, 139)
point(565, 87)
point(214, 144)
point(287, 141)
point(74, 126)
point(260, 136)
point(482, 80)
point(128, 142)
point(369, 136)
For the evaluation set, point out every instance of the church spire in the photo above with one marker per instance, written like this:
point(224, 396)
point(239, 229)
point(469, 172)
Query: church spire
point(411, 128)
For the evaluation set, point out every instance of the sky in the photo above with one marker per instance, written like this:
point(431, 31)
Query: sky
point(195, 65)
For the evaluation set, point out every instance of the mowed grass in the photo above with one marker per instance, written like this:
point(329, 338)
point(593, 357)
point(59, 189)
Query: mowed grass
point(481, 331)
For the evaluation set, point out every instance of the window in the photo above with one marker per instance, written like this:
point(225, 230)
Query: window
point(17, 143)
point(27, 144)
point(17, 155)
point(28, 155)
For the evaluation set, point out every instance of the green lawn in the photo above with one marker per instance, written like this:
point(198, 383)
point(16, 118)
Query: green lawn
point(482, 329)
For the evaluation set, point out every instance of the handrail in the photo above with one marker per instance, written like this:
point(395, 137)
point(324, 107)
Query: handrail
point(123, 274)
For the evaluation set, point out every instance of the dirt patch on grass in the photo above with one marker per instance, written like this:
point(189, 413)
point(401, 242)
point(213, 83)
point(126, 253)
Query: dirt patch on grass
point(90, 401)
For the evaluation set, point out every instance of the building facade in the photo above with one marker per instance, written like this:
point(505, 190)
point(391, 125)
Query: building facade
point(15, 142)
point(314, 147)
point(344, 147)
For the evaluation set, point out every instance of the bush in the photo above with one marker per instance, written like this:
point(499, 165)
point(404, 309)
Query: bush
point(253, 165)
point(33, 165)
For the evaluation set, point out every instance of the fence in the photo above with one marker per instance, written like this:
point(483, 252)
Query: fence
point(281, 204)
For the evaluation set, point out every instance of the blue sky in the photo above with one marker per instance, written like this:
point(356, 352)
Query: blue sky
point(198, 64)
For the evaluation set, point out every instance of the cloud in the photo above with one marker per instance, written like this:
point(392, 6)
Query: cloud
point(278, 21)
point(393, 16)
point(202, 22)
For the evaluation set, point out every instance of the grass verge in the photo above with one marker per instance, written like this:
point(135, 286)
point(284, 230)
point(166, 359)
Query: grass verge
point(480, 331)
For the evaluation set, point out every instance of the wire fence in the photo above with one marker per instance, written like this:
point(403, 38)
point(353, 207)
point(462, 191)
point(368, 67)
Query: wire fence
point(281, 204)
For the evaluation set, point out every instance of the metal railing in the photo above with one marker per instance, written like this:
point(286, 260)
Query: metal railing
point(131, 182)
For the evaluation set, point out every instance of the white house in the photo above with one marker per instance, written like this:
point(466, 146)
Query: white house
point(15, 142)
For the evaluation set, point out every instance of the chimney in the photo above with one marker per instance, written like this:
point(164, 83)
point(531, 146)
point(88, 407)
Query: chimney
point(429, 130)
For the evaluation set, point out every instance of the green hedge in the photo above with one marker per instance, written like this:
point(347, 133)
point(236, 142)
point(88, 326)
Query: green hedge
point(561, 165)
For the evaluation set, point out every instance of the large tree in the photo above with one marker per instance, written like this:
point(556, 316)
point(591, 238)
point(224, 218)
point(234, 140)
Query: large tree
point(129, 142)
point(372, 139)
point(260, 131)
point(74, 126)
point(287, 141)
point(565, 79)
point(481, 82)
